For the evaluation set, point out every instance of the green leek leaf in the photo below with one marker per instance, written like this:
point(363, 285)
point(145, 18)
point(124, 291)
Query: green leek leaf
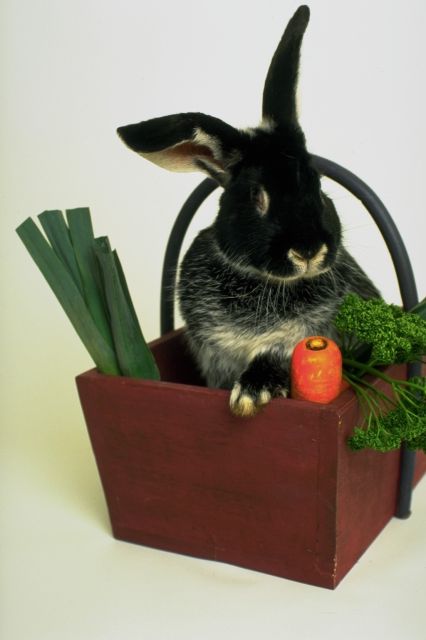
point(133, 354)
point(57, 233)
point(154, 372)
point(82, 238)
point(69, 296)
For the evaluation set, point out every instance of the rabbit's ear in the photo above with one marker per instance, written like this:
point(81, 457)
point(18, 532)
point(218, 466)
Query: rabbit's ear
point(279, 94)
point(186, 142)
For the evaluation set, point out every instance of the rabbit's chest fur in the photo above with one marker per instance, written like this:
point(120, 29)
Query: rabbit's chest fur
point(232, 316)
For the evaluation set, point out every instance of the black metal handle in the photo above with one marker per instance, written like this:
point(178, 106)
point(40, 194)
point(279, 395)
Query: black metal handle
point(391, 236)
point(174, 245)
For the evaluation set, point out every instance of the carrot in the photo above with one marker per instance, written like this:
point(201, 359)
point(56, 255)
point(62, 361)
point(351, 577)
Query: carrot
point(316, 370)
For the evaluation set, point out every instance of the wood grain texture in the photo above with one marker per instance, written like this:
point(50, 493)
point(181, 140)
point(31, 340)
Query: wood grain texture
point(279, 493)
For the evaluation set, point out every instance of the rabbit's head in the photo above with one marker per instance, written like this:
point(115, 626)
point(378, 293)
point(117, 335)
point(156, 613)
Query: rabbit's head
point(273, 217)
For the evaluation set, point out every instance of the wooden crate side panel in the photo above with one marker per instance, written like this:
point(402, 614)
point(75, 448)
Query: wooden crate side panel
point(174, 359)
point(368, 487)
point(420, 468)
point(180, 473)
point(367, 494)
point(100, 417)
point(292, 499)
point(326, 552)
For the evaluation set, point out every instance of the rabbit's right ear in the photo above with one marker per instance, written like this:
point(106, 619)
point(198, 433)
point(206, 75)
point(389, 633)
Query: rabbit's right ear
point(186, 142)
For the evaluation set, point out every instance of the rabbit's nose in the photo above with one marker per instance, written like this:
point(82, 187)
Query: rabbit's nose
point(304, 256)
point(299, 256)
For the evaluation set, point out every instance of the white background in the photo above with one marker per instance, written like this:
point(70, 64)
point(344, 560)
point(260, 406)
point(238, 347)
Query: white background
point(72, 71)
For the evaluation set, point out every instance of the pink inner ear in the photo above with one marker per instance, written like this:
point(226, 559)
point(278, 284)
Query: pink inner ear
point(191, 150)
point(184, 156)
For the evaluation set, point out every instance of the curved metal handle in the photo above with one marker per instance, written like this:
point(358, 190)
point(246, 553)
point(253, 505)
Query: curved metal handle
point(382, 218)
point(174, 246)
point(391, 236)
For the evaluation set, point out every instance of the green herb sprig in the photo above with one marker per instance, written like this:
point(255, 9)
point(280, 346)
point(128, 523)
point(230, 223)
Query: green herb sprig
point(375, 334)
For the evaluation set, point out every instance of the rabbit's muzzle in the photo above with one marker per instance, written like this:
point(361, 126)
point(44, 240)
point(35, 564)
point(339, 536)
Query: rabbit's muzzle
point(308, 263)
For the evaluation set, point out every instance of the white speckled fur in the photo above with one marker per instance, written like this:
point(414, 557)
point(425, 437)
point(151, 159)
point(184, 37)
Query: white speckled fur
point(246, 346)
point(263, 317)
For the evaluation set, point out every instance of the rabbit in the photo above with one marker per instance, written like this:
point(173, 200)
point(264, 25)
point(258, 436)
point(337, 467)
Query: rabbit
point(271, 269)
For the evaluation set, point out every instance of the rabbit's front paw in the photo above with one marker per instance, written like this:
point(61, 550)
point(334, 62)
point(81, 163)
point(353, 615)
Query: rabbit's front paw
point(246, 400)
point(266, 377)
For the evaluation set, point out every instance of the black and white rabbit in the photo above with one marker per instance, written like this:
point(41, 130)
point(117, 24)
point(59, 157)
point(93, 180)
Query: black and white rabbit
point(271, 270)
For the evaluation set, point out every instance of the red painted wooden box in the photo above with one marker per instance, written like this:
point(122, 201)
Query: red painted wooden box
point(279, 493)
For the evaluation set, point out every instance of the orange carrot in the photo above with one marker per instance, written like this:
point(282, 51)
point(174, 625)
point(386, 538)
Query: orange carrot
point(316, 370)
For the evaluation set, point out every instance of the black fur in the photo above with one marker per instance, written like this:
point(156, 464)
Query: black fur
point(167, 131)
point(300, 216)
point(279, 95)
point(271, 269)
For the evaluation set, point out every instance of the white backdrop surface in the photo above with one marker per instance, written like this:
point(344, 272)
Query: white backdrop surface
point(72, 71)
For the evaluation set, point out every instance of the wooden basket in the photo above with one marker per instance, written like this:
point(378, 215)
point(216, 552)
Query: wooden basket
point(280, 493)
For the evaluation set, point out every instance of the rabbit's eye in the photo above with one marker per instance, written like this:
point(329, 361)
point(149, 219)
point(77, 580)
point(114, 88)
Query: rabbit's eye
point(260, 199)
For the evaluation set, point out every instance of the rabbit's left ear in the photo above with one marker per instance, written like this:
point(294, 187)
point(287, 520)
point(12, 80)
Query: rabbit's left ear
point(186, 142)
point(279, 94)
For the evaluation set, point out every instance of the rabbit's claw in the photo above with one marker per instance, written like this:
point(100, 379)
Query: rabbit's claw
point(246, 400)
